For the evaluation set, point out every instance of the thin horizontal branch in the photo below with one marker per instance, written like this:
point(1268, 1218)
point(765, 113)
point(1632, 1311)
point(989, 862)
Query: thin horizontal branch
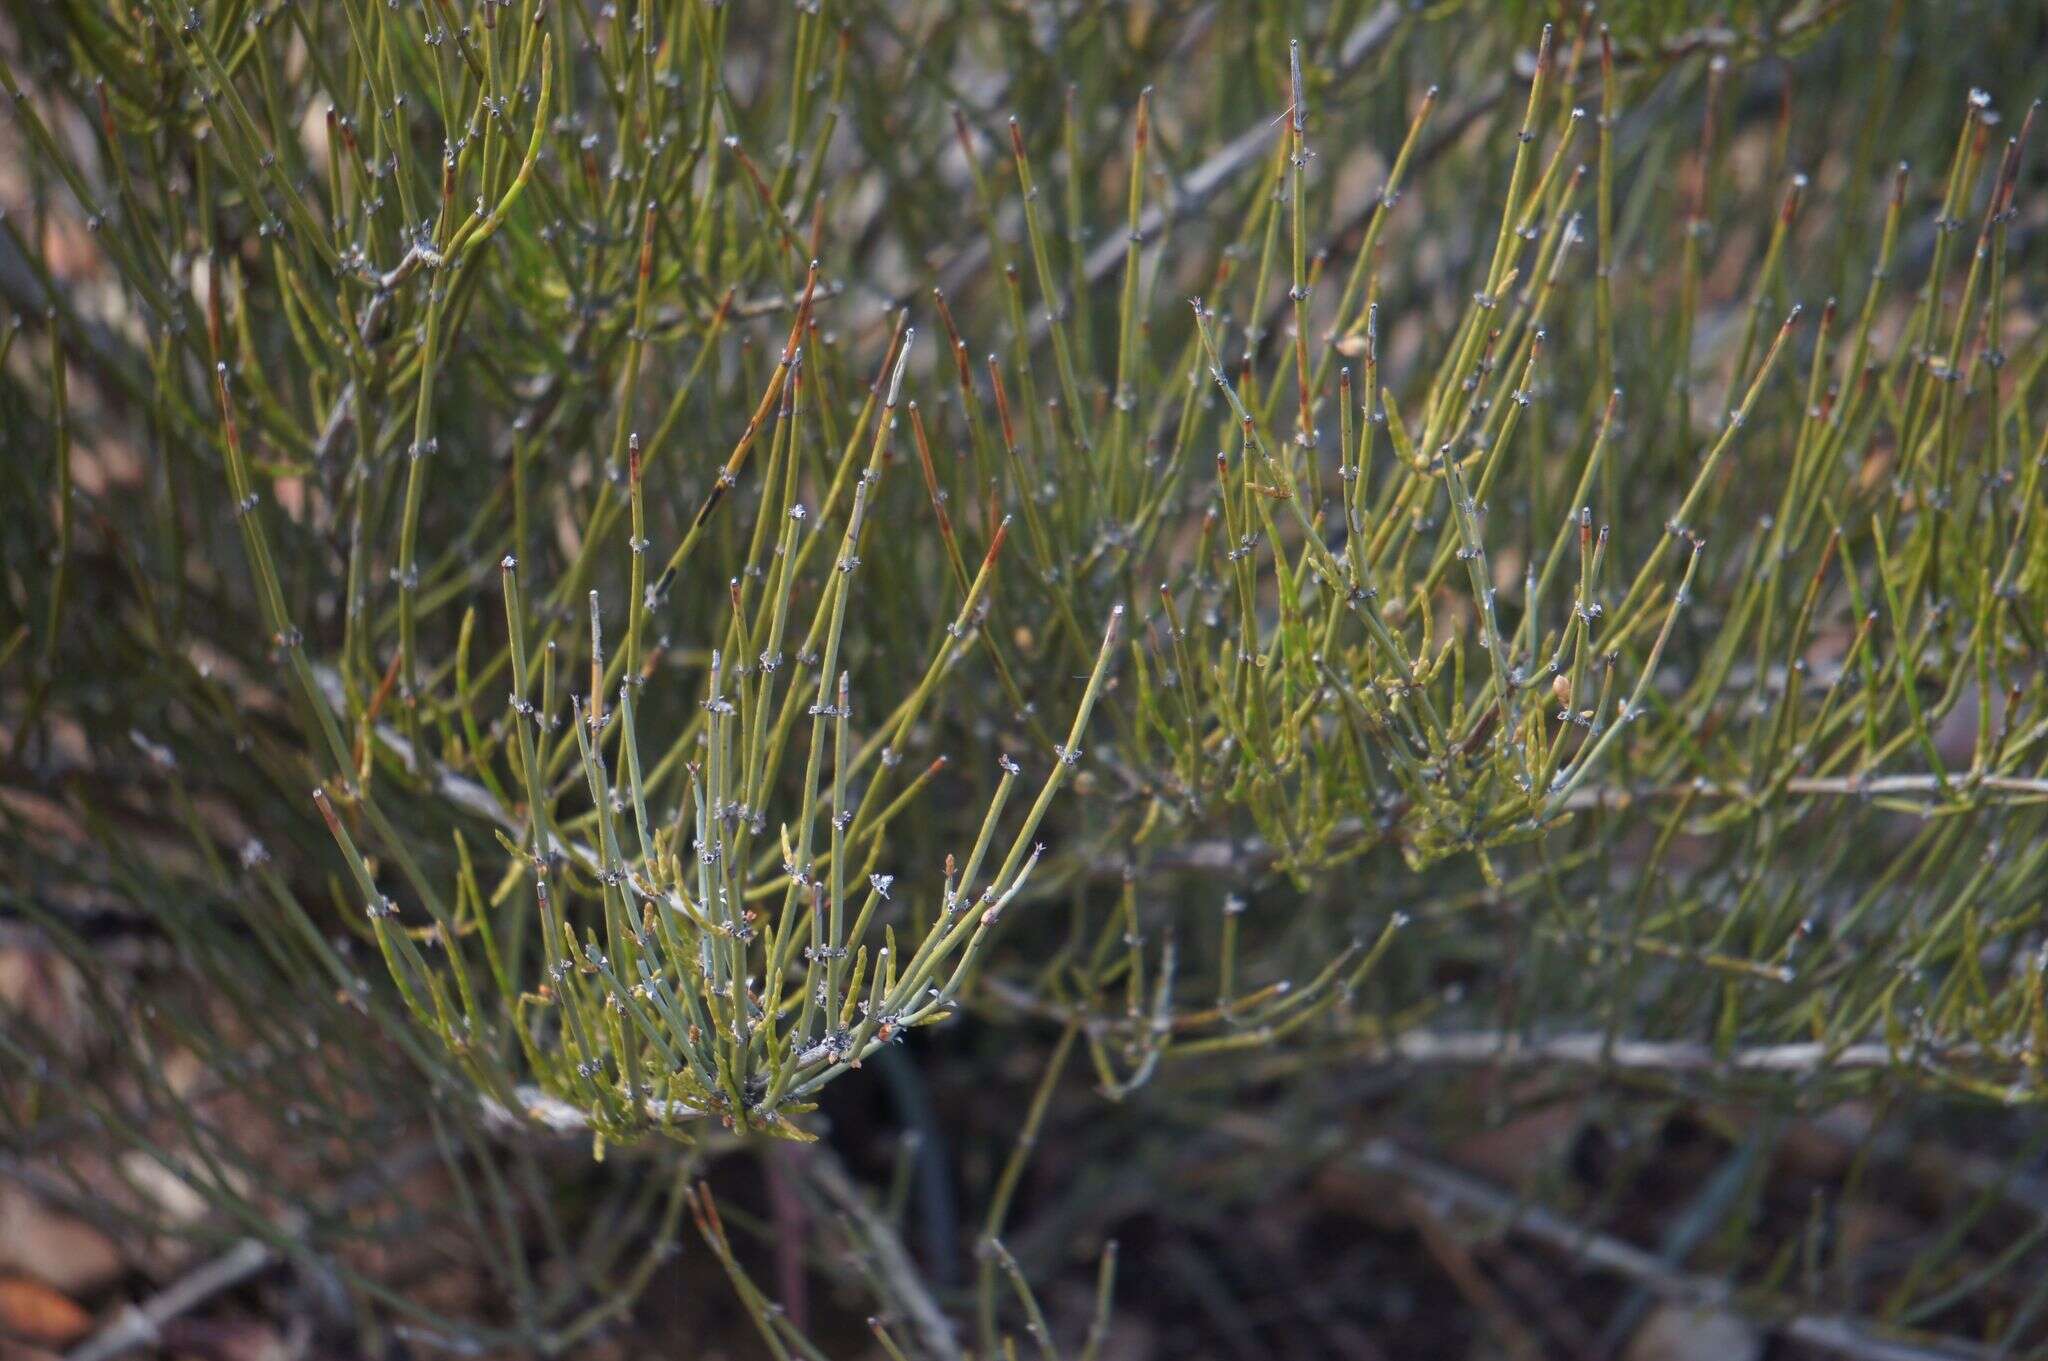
point(1580, 1048)
point(562, 1118)
point(1838, 786)
point(1668, 1056)
point(1224, 855)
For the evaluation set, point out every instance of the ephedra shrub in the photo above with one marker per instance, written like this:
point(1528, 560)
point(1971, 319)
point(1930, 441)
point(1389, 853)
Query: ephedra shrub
point(1293, 581)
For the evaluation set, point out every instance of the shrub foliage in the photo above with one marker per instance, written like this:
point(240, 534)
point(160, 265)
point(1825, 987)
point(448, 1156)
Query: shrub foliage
point(642, 558)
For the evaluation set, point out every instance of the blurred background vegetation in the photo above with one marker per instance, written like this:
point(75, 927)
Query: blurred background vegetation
point(1436, 942)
